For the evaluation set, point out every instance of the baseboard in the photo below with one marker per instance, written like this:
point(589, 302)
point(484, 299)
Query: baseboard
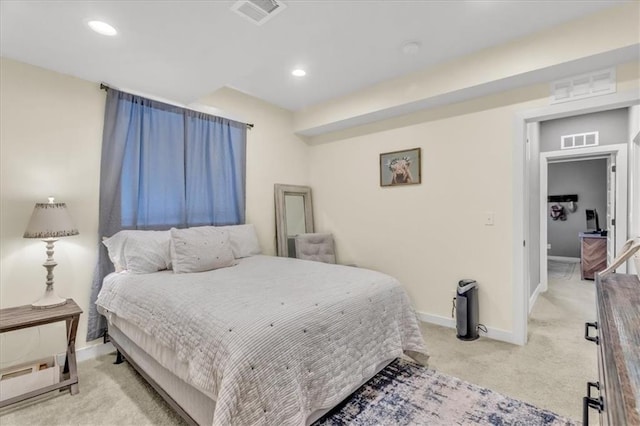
point(89, 352)
point(534, 297)
point(492, 333)
point(564, 259)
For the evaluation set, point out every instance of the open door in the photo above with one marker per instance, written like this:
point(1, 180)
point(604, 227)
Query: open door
point(610, 225)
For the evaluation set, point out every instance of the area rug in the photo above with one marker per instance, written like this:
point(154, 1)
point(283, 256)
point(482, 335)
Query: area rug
point(558, 270)
point(405, 393)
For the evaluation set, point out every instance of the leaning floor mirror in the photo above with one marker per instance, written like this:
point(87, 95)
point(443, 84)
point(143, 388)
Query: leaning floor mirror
point(294, 215)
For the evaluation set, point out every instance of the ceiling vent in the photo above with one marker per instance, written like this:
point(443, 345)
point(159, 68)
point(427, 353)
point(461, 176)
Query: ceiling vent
point(258, 11)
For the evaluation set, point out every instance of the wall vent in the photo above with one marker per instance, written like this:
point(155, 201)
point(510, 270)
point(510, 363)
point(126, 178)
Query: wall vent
point(583, 86)
point(580, 140)
point(258, 11)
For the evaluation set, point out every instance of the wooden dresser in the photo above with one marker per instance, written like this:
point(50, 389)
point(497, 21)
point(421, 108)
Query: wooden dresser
point(593, 255)
point(616, 394)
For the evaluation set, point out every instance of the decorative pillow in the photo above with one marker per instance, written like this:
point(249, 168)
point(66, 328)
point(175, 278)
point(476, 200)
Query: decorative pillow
point(200, 249)
point(244, 241)
point(140, 252)
point(115, 250)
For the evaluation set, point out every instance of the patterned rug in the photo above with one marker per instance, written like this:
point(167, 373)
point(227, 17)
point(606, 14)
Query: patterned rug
point(560, 270)
point(405, 393)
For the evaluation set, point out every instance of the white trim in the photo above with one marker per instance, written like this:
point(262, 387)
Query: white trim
point(534, 297)
point(436, 319)
point(520, 300)
point(89, 352)
point(492, 333)
point(634, 177)
point(564, 259)
point(585, 136)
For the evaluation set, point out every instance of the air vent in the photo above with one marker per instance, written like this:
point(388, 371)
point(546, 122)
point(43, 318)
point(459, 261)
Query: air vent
point(580, 140)
point(584, 86)
point(258, 11)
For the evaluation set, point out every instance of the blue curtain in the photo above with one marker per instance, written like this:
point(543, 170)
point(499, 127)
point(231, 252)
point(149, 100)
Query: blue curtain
point(163, 166)
point(215, 152)
point(153, 178)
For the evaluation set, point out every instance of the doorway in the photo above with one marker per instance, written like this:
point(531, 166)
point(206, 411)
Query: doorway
point(526, 181)
point(610, 202)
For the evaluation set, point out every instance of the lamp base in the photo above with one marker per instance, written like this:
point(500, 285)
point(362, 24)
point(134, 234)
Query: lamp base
point(49, 300)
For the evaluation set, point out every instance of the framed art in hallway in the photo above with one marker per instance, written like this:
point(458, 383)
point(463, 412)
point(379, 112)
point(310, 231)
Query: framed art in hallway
point(400, 167)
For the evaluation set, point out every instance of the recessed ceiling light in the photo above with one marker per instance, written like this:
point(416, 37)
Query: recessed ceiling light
point(299, 72)
point(102, 28)
point(411, 48)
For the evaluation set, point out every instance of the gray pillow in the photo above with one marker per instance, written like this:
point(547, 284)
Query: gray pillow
point(200, 249)
point(243, 239)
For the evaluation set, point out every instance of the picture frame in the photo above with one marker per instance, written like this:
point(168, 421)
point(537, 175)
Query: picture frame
point(400, 168)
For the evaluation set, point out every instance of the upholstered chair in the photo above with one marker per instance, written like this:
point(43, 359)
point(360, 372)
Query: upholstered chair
point(318, 247)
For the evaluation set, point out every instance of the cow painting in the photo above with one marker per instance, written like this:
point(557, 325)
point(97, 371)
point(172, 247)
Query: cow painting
point(400, 168)
point(400, 172)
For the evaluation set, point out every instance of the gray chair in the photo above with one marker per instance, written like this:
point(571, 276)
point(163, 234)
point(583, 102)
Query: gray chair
point(317, 247)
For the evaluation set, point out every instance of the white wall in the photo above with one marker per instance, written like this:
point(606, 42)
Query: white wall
point(634, 177)
point(50, 141)
point(51, 138)
point(430, 235)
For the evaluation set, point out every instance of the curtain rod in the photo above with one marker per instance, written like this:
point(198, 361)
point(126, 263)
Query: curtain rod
point(105, 88)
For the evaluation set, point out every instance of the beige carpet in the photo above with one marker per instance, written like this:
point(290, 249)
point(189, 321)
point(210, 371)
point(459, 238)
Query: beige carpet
point(551, 371)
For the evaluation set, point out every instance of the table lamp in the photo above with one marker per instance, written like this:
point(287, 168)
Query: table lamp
point(50, 221)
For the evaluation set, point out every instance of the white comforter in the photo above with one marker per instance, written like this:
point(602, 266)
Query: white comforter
point(274, 339)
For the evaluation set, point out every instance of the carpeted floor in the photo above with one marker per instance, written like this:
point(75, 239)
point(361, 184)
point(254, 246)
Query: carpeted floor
point(550, 372)
point(559, 270)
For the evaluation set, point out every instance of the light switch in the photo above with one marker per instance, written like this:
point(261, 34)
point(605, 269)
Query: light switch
point(488, 218)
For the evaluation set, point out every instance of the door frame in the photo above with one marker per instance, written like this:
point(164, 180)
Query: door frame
point(521, 191)
point(604, 151)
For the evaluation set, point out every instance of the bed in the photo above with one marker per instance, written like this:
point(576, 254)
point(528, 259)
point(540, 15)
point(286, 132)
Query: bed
point(270, 340)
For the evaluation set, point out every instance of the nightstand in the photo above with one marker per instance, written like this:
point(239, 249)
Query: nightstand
point(24, 317)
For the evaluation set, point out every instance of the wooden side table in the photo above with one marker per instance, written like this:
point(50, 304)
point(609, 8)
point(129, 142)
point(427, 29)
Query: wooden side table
point(24, 317)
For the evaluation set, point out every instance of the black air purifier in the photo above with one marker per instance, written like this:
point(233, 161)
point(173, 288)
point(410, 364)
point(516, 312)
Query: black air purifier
point(467, 310)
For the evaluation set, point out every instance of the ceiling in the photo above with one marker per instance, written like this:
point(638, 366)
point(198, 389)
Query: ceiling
point(184, 50)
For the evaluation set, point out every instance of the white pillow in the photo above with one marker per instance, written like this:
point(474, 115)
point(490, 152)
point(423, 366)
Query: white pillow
point(140, 252)
point(115, 250)
point(200, 249)
point(244, 241)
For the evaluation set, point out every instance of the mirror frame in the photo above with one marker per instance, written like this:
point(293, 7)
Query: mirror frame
point(281, 191)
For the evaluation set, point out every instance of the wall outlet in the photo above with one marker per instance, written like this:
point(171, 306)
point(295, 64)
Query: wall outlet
point(548, 246)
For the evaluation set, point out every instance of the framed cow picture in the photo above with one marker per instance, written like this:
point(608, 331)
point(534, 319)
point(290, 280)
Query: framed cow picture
point(400, 167)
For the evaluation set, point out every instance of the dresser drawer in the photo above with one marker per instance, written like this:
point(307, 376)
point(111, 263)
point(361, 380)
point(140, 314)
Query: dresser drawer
point(616, 394)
